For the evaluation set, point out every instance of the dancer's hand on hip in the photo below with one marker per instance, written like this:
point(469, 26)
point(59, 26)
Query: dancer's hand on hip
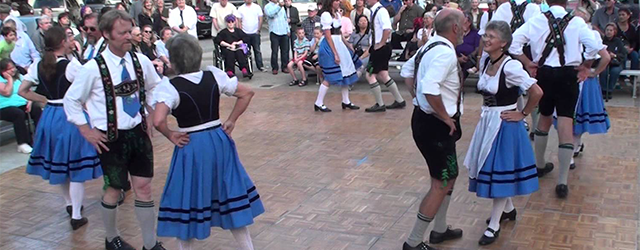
point(95, 137)
point(180, 139)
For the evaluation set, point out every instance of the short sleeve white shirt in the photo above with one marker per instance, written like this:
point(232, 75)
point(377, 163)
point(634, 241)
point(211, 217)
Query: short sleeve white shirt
point(250, 15)
point(381, 23)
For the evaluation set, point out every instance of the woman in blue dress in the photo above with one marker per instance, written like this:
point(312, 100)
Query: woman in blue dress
point(204, 188)
point(60, 153)
point(338, 63)
point(500, 158)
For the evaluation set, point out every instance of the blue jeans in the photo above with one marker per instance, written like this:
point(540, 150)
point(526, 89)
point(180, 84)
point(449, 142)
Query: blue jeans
point(633, 57)
point(610, 76)
point(254, 43)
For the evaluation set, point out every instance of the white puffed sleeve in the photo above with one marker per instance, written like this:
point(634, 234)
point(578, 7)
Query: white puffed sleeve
point(326, 20)
point(165, 93)
point(226, 85)
point(515, 75)
point(32, 74)
point(73, 68)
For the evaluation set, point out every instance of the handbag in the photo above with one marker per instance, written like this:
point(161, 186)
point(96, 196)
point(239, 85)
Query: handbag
point(358, 48)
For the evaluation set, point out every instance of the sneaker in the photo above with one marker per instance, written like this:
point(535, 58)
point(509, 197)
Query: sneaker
point(117, 244)
point(264, 70)
point(24, 148)
point(158, 246)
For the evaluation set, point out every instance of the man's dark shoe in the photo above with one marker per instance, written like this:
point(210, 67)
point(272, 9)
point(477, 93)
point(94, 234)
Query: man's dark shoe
point(158, 246)
point(506, 216)
point(117, 244)
point(562, 191)
point(275, 71)
point(397, 105)
point(420, 246)
point(376, 108)
point(450, 234)
point(544, 171)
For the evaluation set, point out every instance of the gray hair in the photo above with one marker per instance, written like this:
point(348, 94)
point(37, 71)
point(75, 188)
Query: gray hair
point(445, 19)
point(9, 23)
point(185, 53)
point(503, 30)
point(5, 9)
point(43, 18)
point(109, 19)
point(584, 11)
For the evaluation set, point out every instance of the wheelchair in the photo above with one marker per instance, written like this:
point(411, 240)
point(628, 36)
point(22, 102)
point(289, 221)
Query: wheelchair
point(219, 59)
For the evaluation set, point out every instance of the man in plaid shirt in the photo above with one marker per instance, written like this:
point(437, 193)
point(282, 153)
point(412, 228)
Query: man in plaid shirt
point(310, 22)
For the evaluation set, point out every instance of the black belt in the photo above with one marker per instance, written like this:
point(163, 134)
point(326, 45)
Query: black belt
point(54, 104)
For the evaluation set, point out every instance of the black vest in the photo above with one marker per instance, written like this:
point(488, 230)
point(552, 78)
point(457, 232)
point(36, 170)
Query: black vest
point(199, 103)
point(56, 87)
point(505, 95)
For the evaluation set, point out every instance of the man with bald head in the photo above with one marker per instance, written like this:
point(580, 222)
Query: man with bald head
point(434, 78)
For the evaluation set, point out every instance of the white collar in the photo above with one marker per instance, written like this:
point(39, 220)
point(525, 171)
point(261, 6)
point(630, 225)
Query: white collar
point(108, 55)
point(437, 38)
point(557, 11)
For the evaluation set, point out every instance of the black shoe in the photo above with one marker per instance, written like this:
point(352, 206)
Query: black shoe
point(158, 246)
point(397, 105)
point(562, 191)
point(450, 234)
point(117, 244)
point(123, 195)
point(420, 246)
point(531, 136)
point(575, 154)
point(75, 224)
point(349, 106)
point(321, 109)
point(486, 240)
point(526, 126)
point(376, 108)
point(70, 209)
point(544, 171)
point(506, 216)
point(572, 166)
point(294, 82)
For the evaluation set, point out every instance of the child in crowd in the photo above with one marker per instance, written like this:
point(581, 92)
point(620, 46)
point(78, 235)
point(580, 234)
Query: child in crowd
point(311, 62)
point(300, 51)
point(9, 42)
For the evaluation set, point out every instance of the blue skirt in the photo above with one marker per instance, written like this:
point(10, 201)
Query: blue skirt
point(206, 188)
point(332, 72)
point(510, 168)
point(591, 116)
point(60, 153)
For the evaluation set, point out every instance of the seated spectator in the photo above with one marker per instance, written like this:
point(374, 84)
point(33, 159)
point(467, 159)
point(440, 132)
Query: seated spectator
point(590, 5)
point(425, 33)
point(629, 35)
point(14, 108)
point(309, 23)
point(300, 52)
point(145, 17)
point(136, 39)
point(65, 22)
point(160, 17)
point(85, 11)
point(412, 45)
point(24, 53)
point(311, 62)
point(233, 47)
point(360, 41)
point(8, 43)
point(161, 50)
point(605, 15)
point(44, 23)
point(360, 10)
point(403, 20)
point(148, 46)
point(347, 26)
point(618, 52)
point(467, 51)
point(431, 8)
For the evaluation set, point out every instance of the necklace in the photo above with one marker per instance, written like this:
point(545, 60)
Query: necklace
point(497, 60)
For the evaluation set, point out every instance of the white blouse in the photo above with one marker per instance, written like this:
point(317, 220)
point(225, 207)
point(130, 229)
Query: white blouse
point(167, 94)
point(327, 20)
point(70, 73)
point(515, 76)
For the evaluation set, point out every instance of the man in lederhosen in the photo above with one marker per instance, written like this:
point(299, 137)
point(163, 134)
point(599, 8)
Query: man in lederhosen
point(558, 66)
point(114, 88)
point(434, 79)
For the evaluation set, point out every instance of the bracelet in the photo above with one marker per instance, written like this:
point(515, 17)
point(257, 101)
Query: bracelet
point(523, 113)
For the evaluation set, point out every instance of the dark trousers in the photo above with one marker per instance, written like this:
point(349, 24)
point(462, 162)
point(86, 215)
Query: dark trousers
point(282, 43)
point(397, 38)
point(254, 43)
point(18, 116)
point(231, 57)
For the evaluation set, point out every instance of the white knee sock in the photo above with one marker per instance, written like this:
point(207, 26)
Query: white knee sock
point(496, 213)
point(345, 95)
point(76, 190)
point(577, 142)
point(509, 206)
point(322, 91)
point(540, 146)
point(64, 189)
point(417, 234)
point(185, 244)
point(243, 237)
point(535, 116)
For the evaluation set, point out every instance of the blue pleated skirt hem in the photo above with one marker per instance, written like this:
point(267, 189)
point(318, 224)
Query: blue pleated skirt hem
point(591, 114)
point(331, 71)
point(207, 187)
point(510, 167)
point(60, 153)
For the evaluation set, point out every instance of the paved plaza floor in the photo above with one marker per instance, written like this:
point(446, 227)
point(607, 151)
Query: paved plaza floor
point(349, 180)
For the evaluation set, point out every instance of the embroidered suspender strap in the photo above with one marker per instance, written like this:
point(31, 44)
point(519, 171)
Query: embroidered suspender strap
point(418, 58)
point(518, 15)
point(110, 96)
point(373, 25)
point(102, 46)
point(141, 90)
point(557, 26)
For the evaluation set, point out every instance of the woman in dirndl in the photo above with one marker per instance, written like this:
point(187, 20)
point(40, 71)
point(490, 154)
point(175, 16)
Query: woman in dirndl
point(591, 115)
point(205, 188)
point(338, 63)
point(500, 158)
point(60, 153)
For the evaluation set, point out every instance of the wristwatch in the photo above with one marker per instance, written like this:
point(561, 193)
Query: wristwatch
point(524, 113)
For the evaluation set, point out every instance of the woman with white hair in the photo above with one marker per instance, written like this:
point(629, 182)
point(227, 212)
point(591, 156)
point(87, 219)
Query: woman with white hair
point(500, 158)
point(204, 188)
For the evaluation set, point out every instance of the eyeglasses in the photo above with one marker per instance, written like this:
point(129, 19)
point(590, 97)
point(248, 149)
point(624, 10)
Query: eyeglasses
point(139, 34)
point(488, 37)
point(147, 31)
point(92, 29)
